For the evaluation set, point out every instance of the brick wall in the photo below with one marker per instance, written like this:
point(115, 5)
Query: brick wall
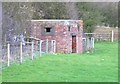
point(60, 33)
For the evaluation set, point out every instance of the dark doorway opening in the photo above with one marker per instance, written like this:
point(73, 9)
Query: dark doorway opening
point(74, 44)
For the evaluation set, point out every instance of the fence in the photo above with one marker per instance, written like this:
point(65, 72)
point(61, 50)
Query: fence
point(28, 50)
point(88, 43)
point(104, 36)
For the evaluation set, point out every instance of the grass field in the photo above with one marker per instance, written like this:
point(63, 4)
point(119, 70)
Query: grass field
point(99, 66)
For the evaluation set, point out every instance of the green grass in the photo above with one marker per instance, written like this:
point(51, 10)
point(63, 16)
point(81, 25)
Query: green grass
point(98, 66)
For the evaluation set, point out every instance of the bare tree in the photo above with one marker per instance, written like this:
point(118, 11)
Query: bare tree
point(72, 10)
point(16, 18)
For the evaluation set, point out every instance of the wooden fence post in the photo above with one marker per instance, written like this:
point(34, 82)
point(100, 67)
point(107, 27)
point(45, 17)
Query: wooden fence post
point(54, 46)
point(51, 46)
point(21, 59)
point(46, 45)
point(112, 38)
point(84, 43)
point(92, 40)
point(8, 60)
point(32, 50)
point(88, 43)
point(40, 47)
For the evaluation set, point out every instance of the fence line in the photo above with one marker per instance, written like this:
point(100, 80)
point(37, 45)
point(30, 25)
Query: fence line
point(22, 52)
point(104, 36)
point(31, 47)
point(88, 43)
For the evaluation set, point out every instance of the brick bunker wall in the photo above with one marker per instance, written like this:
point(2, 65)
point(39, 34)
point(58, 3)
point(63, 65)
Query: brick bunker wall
point(38, 32)
point(75, 30)
point(64, 39)
point(61, 34)
point(61, 38)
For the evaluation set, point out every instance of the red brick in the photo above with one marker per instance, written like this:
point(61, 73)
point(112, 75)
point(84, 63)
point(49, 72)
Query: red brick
point(61, 35)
